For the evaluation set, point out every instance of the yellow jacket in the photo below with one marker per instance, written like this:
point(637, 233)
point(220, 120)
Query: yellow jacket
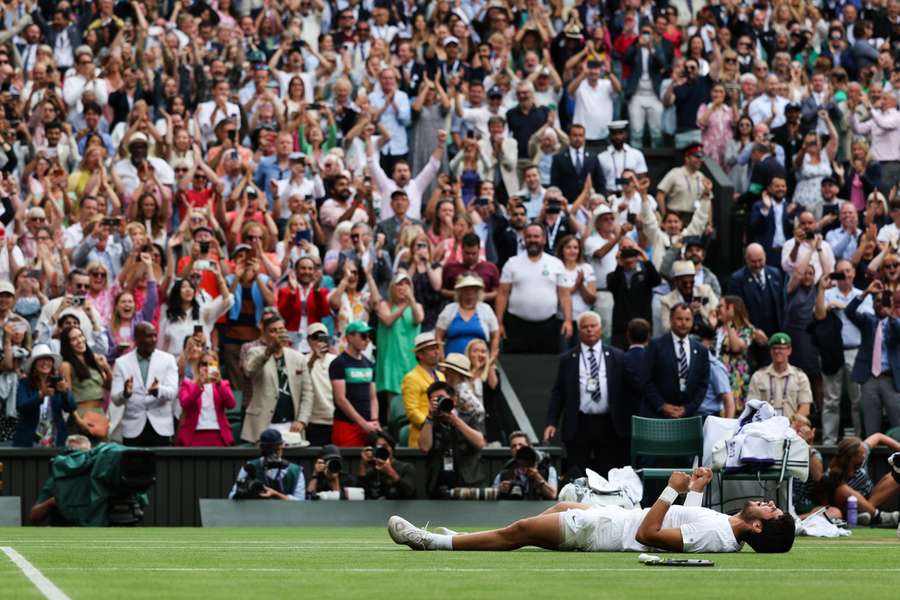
point(415, 399)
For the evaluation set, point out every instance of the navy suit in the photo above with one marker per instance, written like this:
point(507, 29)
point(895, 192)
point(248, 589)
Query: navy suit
point(762, 229)
point(765, 306)
point(599, 442)
point(661, 377)
point(877, 395)
point(862, 368)
point(656, 63)
point(564, 176)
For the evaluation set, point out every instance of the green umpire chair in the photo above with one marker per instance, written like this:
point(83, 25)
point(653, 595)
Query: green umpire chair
point(656, 438)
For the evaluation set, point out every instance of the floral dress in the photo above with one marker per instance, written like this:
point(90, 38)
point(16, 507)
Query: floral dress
point(717, 132)
point(736, 364)
point(809, 180)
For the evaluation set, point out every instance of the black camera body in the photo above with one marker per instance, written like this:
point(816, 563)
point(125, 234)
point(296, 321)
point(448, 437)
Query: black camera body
point(446, 406)
point(334, 465)
point(254, 484)
point(381, 452)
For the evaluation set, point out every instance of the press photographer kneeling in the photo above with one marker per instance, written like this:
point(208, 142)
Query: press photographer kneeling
point(452, 444)
point(381, 475)
point(528, 475)
point(269, 476)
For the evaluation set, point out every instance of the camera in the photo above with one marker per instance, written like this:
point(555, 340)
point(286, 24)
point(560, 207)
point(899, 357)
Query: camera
point(527, 457)
point(446, 405)
point(809, 235)
point(381, 452)
point(630, 253)
point(204, 247)
point(334, 465)
point(315, 106)
point(77, 300)
point(54, 380)
point(554, 207)
point(254, 484)
point(111, 221)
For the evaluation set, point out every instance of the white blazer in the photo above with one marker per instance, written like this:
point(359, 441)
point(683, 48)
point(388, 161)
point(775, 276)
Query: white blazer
point(127, 417)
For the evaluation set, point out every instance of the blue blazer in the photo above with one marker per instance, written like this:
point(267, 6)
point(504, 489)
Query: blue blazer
point(661, 377)
point(765, 307)
point(762, 227)
point(862, 367)
point(565, 399)
point(28, 403)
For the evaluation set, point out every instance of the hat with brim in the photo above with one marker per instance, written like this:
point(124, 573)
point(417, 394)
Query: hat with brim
point(602, 210)
point(683, 268)
point(241, 248)
point(316, 329)
point(468, 280)
point(451, 39)
point(618, 125)
point(458, 363)
point(330, 451)
point(401, 276)
point(138, 138)
point(780, 339)
point(693, 149)
point(425, 340)
point(693, 240)
point(357, 327)
point(41, 351)
point(7, 288)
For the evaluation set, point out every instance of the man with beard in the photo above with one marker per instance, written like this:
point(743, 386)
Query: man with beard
point(698, 296)
point(573, 526)
point(339, 208)
point(532, 288)
point(693, 249)
point(688, 91)
point(134, 169)
point(619, 157)
point(511, 240)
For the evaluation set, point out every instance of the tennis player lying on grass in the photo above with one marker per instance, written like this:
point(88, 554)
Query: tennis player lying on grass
point(662, 527)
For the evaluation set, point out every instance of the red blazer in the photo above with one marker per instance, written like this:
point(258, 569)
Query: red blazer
point(317, 307)
point(190, 395)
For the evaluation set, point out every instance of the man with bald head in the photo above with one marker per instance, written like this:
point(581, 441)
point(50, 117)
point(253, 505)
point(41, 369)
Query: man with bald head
point(761, 287)
point(144, 392)
point(769, 108)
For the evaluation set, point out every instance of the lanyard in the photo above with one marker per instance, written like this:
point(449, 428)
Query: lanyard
point(555, 231)
point(783, 392)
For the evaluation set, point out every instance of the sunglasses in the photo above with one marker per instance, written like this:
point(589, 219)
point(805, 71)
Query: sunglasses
point(730, 60)
point(205, 364)
point(98, 274)
point(319, 337)
point(253, 237)
point(362, 335)
point(81, 286)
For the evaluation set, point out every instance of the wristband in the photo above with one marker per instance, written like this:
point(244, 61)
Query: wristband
point(668, 495)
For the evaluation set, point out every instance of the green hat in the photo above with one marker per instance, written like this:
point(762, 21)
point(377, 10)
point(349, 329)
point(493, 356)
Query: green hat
point(357, 327)
point(780, 339)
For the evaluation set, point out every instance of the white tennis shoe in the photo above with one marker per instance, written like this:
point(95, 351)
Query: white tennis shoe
point(404, 532)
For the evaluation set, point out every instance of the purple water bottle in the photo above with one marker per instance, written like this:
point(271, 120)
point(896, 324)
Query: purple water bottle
point(851, 511)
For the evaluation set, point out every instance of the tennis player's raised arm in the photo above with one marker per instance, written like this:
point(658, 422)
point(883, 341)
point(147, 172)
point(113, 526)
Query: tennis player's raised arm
point(651, 533)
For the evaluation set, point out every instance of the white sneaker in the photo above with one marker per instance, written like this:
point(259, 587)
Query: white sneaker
point(404, 532)
point(890, 518)
point(444, 531)
point(898, 531)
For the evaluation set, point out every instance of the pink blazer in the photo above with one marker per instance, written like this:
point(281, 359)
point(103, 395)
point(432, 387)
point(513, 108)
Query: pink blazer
point(190, 396)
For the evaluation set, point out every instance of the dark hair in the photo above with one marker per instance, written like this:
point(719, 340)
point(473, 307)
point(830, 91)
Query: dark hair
point(53, 125)
point(438, 386)
point(76, 272)
point(470, 240)
point(380, 434)
point(679, 306)
point(638, 331)
point(777, 535)
point(82, 369)
point(360, 276)
point(737, 128)
point(517, 433)
point(174, 310)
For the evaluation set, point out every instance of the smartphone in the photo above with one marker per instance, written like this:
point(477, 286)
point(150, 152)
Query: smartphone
point(470, 134)
point(204, 247)
point(112, 221)
point(232, 135)
point(298, 237)
point(202, 265)
point(198, 329)
point(34, 274)
point(315, 106)
point(887, 298)
point(631, 218)
point(622, 181)
point(306, 234)
point(55, 380)
point(838, 277)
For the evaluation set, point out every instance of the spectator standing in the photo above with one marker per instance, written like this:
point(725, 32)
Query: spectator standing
point(302, 302)
point(573, 165)
point(471, 263)
point(631, 285)
point(281, 384)
point(393, 109)
point(877, 365)
point(647, 62)
point(415, 383)
point(524, 120)
point(731, 348)
point(401, 176)
point(399, 322)
point(353, 381)
point(676, 370)
point(468, 317)
point(594, 90)
point(143, 393)
point(684, 188)
point(688, 91)
point(531, 289)
point(321, 416)
point(204, 399)
point(40, 403)
point(781, 384)
point(883, 128)
point(589, 397)
point(718, 400)
point(699, 297)
point(837, 298)
point(619, 157)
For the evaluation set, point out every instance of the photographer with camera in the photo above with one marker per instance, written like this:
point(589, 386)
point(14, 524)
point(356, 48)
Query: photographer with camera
point(381, 475)
point(453, 446)
point(528, 475)
point(328, 475)
point(270, 475)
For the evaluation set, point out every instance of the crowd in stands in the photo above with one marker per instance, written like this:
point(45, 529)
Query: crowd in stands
point(330, 218)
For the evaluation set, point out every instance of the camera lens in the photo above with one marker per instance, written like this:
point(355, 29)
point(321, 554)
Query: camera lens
point(333, 465)
point(446, 404)
point(382, 453)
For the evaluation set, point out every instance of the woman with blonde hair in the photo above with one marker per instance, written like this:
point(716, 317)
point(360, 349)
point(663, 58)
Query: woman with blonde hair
point(88, 169)
point(468, 317)
point(418, 257)
point(296, 242)
point(399, 322)
point(485, 384)
point(861, 175)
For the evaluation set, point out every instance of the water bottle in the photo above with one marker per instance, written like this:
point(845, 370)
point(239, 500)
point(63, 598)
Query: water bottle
point(851, 511)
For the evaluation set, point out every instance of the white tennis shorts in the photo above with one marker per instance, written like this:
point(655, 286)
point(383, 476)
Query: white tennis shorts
point(591, 531)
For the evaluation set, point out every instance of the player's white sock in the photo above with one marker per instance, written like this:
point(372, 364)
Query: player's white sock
point(437, 541)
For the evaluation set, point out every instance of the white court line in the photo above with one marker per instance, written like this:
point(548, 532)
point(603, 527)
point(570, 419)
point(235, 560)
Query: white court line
point(44, 585)
point(457, 570)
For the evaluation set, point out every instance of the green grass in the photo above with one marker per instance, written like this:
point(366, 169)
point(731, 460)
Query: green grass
point(364, 563)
